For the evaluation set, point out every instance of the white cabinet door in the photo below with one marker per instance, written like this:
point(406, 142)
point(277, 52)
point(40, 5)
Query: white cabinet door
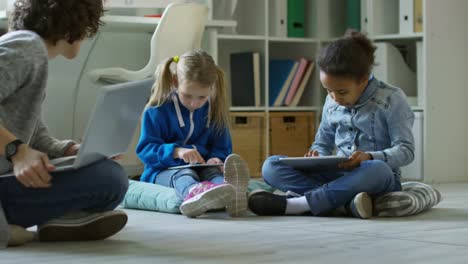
point(414, 171)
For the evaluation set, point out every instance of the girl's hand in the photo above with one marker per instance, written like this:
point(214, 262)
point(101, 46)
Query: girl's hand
point(355, 160)
point(188, 155)
point(32, 168)
point(72, 150)
point(216, 161)
point(312, 153)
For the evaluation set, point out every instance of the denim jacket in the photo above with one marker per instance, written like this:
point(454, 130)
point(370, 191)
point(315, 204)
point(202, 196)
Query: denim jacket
point(380, 123)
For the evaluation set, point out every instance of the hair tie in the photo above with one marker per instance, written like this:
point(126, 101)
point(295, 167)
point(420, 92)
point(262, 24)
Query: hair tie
point(175, 59)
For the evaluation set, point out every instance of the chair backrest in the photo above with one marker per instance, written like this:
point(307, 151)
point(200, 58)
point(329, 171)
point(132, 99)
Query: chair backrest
point(180, 29)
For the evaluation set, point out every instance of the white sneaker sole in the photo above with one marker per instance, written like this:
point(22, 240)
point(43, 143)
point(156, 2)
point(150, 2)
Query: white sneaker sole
point(19, 236)
point(363, 203)
point(95, 226)
point(236, 173)
point(215, 198)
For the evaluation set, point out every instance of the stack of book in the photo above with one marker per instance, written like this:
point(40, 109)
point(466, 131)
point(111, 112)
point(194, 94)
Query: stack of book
point(288, 80)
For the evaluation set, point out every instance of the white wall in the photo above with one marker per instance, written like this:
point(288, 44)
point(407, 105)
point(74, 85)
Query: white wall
point(4, 4)
point(446, 39)
point(68, 83)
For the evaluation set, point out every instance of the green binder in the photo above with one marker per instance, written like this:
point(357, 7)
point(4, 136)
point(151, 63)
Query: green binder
point(353, 14)
point(296, 18)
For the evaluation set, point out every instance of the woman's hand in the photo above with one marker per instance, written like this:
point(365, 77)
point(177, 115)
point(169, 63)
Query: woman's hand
point(32, 167)
point(188, 155)
point(72, 150)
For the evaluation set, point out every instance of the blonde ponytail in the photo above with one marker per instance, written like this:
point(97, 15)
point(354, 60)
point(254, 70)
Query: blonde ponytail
point(162, 87)
point(219, 104)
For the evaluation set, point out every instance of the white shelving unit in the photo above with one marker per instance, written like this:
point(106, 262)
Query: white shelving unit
point(325, 22)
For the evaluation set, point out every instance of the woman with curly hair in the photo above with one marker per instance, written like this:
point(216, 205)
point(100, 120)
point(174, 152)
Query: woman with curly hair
point(70, 205)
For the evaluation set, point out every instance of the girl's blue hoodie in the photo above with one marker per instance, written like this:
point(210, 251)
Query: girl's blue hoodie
point(172, 125)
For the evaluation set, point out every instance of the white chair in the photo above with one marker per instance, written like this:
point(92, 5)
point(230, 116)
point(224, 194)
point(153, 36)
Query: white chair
point(180, 29)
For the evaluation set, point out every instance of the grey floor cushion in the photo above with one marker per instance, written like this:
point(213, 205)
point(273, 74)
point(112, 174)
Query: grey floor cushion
point(414, 198)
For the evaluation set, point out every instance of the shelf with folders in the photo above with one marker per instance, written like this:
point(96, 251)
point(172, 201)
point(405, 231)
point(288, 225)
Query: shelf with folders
point(309, 20)
point(380, 19)
point(391, 18)
point(396, 27)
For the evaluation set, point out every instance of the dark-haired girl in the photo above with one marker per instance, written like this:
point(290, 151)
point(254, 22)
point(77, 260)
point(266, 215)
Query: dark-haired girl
point(364, 119)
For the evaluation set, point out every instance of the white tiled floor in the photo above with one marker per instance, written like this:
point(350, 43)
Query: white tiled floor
point(437, 236)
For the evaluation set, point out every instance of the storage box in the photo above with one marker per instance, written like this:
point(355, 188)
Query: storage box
point(248, 138)
point(291, 133)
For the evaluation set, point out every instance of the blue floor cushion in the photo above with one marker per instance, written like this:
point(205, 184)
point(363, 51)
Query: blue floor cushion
point(154, 197)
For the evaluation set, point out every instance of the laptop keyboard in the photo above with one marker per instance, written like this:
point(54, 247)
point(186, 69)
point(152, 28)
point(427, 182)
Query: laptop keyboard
point(65, 161)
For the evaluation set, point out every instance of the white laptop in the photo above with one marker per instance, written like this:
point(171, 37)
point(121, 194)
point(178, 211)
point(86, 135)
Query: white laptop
point(314, 164)
point(111, 126)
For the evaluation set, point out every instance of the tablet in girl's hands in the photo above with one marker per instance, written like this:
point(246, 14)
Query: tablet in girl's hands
point(315, 164)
